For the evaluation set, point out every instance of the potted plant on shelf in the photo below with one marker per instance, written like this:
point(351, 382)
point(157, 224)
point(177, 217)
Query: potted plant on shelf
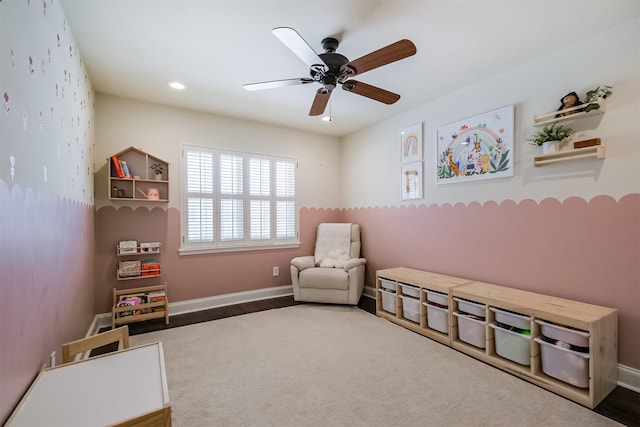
point(594, 97)
point(158, 169)
point(550, 136)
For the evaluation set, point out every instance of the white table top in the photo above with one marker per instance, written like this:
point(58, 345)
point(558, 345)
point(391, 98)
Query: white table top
point(97, 391)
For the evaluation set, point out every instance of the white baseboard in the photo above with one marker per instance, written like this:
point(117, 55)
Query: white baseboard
point(369, 291)
point(627, 377)
point(103, 320)
point(190, 306)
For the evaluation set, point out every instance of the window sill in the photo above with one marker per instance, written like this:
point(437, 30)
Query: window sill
point(200, 251)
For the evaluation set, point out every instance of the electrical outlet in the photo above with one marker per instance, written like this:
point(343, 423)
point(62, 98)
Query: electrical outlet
point(276, 271)
point(52, 359)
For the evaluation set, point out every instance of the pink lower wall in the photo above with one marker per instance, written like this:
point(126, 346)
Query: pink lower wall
point(191, 276)
point(46, 283)
point(585, 251)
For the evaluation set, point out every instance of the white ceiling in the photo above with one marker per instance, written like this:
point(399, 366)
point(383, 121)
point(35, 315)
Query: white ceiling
point(132, 48)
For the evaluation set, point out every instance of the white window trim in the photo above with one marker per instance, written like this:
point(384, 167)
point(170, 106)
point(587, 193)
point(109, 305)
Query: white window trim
point(233, 246)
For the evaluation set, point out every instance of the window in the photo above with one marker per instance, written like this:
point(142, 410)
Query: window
point(237, 201)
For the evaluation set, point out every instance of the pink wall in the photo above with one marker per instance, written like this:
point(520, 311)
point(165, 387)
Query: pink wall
point(193, 276)
point(585, 251)
point(46, 283)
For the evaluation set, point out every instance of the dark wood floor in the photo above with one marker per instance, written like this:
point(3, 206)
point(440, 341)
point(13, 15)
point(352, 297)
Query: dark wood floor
point(622, 405)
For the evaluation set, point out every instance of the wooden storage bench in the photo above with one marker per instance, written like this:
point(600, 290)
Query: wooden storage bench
point(598, 327)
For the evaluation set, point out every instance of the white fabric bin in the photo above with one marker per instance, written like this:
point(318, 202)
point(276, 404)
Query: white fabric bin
point(561, 333)
point(471, 331)
point(471, 307)
point(437, 318)
point(411, 308)
point(510, 318)
point(388, 301)
point(437, 297)
point(410, 290)
point(512, 345)
point(388, 284)
point(566, 365)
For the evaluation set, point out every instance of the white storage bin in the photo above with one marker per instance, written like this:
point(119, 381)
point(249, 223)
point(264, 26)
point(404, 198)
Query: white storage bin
point(437, 318)
point(409, 290)
point(471, 331)
point(411, 308)
point(471, 307)
point(388, 301)
point(388, 284)
point(437, 297)
point(571, 336)
point(512, 345)
point(566, 365)
point(510, 318)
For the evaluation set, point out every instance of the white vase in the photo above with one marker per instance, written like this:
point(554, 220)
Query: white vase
point(550, 147)
point(158, 177)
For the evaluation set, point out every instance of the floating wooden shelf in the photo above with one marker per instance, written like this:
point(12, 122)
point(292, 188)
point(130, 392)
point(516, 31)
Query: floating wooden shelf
point(576, 113)
point(596, 152)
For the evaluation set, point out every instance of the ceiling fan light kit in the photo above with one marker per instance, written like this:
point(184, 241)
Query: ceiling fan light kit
point(331, 69)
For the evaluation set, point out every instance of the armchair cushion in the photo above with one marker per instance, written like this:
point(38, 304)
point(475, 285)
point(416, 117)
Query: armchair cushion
point(324, 278)
point(303, 262)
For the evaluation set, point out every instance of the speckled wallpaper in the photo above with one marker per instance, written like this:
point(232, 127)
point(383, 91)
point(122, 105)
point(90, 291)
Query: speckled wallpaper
point(47, 250)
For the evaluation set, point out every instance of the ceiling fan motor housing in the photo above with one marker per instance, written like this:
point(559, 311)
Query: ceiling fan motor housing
point(334, 62)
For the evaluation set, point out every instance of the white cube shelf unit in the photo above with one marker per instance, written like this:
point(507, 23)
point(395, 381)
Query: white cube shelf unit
point(600, 324)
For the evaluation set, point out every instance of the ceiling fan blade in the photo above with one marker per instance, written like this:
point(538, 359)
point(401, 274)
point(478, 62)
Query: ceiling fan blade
point(300, 47)
point(277, 83)
point(386, 55)
point(320, 102)
point(369, 91)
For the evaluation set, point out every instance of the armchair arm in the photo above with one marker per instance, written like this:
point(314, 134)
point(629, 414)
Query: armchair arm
point(354, 262)
point(303, 262)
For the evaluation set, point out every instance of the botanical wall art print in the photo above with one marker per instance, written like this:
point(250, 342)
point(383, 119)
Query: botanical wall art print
point(411, 143)
point(412, 180)
point(479, 147)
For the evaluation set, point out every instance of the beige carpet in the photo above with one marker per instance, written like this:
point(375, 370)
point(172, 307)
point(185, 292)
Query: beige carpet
point(317, 365)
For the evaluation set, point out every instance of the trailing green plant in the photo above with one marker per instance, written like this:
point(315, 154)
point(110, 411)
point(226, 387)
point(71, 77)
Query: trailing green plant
point(551, 132)
point(595, 94)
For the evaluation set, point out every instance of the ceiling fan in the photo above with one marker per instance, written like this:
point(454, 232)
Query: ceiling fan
point(330, 68)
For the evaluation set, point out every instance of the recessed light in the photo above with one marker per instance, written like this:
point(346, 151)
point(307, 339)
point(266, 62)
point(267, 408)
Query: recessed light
point(176, 85)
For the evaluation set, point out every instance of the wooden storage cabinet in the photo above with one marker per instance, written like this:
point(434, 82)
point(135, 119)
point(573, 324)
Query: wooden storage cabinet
point(424, 281)
point(599, 323)
point(146, 311)
point(142, 184)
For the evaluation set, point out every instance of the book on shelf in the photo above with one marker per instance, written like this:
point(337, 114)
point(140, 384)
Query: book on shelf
point(129, 269)
point(133, 300)
point(127, 247)
point(150, 247)
point(156, 296)
point(116, 168)
point(125, 169)
point(150, 268)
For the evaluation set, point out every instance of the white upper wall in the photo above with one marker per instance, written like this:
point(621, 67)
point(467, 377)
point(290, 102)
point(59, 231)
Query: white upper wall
point(371, 157)
point(161, 131)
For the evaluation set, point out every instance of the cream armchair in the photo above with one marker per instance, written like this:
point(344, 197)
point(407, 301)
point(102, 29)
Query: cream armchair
point(335, 273)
